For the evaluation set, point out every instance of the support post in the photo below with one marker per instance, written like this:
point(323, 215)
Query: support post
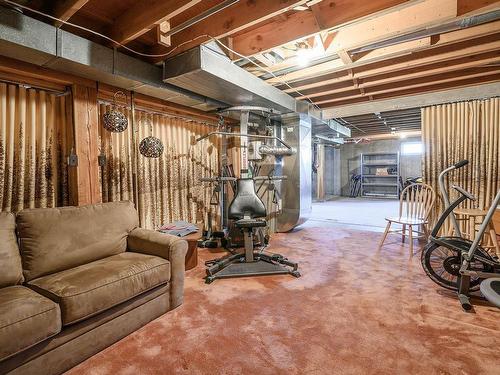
point(84, 173)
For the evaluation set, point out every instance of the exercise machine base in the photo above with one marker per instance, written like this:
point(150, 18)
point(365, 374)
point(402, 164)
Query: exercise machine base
point(236, 266)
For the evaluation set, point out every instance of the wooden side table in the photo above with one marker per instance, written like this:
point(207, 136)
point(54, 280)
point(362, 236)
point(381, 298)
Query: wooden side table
point(472, 220)
point(192, 253)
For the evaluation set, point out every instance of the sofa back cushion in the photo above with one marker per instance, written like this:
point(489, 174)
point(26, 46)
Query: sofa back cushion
point(56, 239)
point(11, 272)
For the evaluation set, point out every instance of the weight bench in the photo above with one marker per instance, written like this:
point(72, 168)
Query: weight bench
point(247, 209)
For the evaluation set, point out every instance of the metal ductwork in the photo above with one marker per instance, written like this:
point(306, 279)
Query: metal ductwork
point(276, 150)
point(27, 39)
point(296, 189)
point(209, 73)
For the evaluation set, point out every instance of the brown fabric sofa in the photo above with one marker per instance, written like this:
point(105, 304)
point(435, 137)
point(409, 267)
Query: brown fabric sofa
point(76, 280)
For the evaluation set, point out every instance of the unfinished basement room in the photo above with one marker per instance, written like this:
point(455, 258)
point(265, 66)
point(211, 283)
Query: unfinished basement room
point(249, 187)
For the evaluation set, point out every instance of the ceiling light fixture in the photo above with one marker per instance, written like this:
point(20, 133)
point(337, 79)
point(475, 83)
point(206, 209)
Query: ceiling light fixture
point(306, 53)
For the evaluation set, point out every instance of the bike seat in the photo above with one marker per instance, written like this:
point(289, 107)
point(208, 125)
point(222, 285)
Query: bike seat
point(464, 192)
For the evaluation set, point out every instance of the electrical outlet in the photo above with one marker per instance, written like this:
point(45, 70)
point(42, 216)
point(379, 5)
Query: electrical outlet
point(73, 160)
point(101, 160)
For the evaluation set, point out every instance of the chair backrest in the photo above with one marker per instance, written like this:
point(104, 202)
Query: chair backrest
point(417, 201)
point(246, 202)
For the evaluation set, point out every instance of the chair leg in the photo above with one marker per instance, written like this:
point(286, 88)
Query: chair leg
point(426, 232)
point(410, 232)
point(493, 235)
point(403, 233)
point(385, 235)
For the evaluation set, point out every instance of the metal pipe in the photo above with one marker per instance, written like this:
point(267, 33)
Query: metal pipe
point(337, 141)
point(446, 198)
point(200, 17)
point(275, 150)
point(243, 135)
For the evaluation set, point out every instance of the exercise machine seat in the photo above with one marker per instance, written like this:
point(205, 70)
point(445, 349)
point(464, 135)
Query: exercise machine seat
point(250, 223)
point(246, 206)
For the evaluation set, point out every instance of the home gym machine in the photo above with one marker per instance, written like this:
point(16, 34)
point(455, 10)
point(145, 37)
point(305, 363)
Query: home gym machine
point(457, 263)
point(246, 212)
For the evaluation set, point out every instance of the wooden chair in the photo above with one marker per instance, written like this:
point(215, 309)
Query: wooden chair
point(415, 206)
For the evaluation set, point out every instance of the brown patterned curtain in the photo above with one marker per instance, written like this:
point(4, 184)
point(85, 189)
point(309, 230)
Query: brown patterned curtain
point(33, 148)
point(169, 188)
point(466, 130)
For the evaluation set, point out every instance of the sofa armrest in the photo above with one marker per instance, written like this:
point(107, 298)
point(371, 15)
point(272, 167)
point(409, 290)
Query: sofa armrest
point(169, 247)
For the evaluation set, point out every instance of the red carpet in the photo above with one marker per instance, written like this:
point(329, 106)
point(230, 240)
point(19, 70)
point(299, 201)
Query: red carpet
point(352, 312)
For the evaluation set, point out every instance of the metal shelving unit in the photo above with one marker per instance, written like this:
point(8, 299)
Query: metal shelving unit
point(380, 185)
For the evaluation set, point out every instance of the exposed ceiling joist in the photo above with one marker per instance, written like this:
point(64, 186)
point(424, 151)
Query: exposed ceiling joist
point(145, 15)
point(413, 90)
point(65, 9)
point(233, 19)
point(411, 84)
point(396, 78)
point(429, 56)
point(403, 48)
point(324, 15)
point(413, 101)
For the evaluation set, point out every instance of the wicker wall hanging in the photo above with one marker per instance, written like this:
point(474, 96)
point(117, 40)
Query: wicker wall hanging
point(151, 147)
point(114, 120)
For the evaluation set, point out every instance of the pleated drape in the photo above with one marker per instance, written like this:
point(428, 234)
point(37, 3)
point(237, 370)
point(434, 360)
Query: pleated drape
point(117, 172)
point(466, 130)
point(33, 149)
point(168, 188)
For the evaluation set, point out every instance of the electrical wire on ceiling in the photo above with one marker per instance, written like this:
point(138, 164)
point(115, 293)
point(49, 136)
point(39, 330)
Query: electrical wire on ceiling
point(161, 55)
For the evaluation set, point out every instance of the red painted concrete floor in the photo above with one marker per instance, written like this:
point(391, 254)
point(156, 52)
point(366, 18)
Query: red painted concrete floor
point(354, 311)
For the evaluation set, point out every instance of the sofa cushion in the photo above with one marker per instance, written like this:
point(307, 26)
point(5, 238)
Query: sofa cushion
point(97, 286)
point(26, 318)
point(57, 239)
point(11, 271)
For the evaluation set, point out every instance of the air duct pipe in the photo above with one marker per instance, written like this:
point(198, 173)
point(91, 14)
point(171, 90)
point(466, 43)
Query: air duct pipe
point(276, 150)
point(27, 39)
point(296, 189)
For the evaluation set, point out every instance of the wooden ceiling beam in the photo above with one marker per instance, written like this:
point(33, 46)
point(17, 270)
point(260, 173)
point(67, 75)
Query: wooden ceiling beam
point(398, 76)
point(412, 83)
point(437, 42)
point(466, 7)
point(391, 75)
point(415, 91)
point(65, 9)
point(145, 15)
point(489, 43)
point(324, 15)
point(374, 30)
point(233, 19)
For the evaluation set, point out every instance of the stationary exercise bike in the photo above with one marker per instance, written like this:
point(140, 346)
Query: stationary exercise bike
point(454, 262)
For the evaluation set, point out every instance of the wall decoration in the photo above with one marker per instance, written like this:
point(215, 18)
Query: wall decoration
point(114, 120)
point(151, 147)
point(168, 187)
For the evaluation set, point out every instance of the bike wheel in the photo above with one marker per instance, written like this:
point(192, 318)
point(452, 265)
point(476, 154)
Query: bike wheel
point(442, 265)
